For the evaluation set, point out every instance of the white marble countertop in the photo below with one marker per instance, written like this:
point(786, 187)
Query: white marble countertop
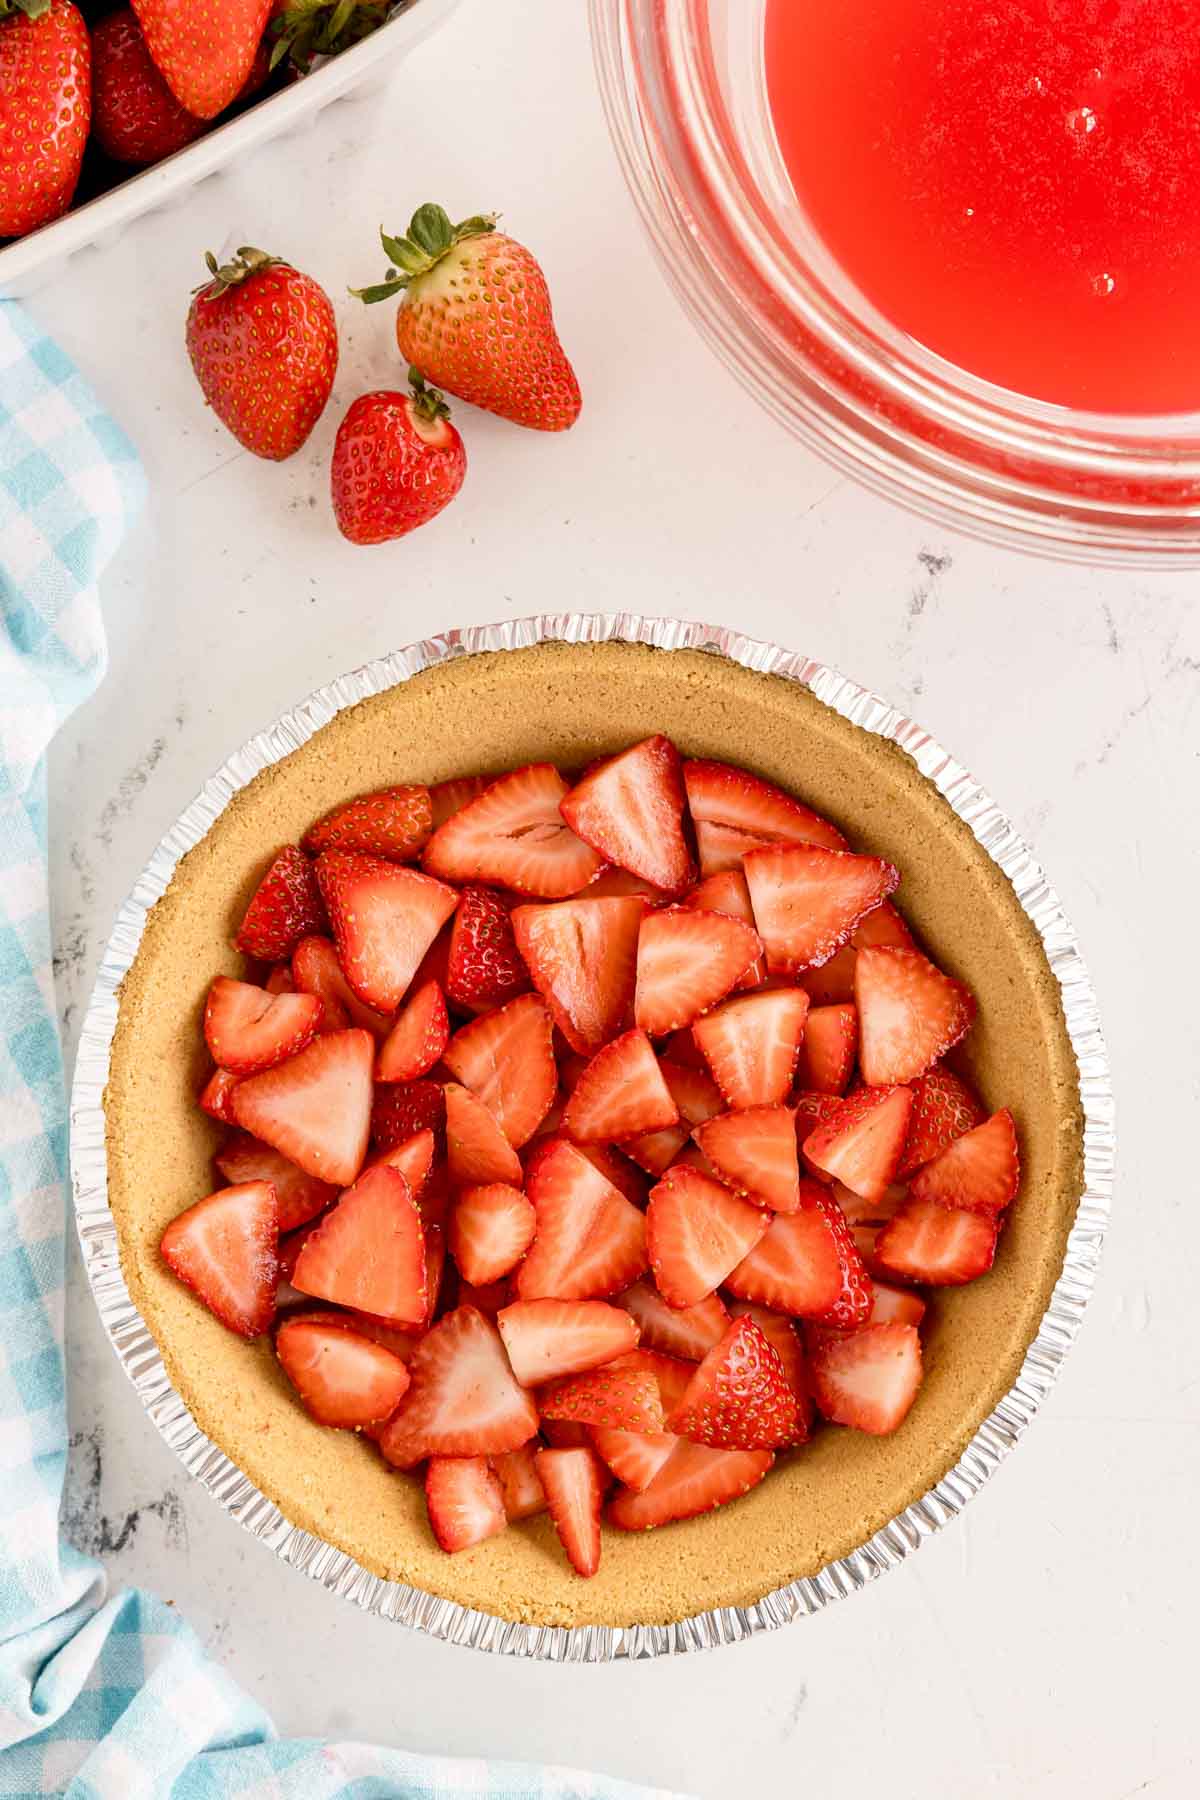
point(1046, 1642)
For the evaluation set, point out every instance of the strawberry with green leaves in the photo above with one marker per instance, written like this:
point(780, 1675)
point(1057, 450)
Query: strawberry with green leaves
point(397, 462)
point(45, 110)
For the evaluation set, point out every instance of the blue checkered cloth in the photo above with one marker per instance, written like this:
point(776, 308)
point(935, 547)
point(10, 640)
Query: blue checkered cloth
point(102, 1696)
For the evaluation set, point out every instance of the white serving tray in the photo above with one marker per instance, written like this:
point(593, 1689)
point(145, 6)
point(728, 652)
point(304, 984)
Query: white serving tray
point(31, 261)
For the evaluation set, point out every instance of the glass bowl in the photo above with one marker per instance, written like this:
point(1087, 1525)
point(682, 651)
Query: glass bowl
point(684, 88)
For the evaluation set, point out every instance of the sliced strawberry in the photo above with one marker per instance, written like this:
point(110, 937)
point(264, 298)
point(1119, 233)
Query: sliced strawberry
point(418, 1037)
point(626, 1399)
point(490, 1230)
point(696, 1232)
point(697, 1096)
point(635, 1457)
point(591, 1240)
point(384, 919)
point(755, 1152)
point(726, 892)
point(858, 1211)
point(686, 962)
point(853, 1304)
point(883, 927)
point(574, 1490)
point(582, 955)
point(812, 1110)
point(548, 1338)
point(860, 1144)
point(630, 809)
point(797, 1268)
point(909, 1013)
point(399, 1112)
point(316, 1107)
point(435, 1267)
point(807, 901)
point(506, 1058)
point(833, 983)
point(751, 1045)
point(620, 1094)
point(895, 1306)
point(290, 1247)
point(550, 1124)
point(619, 884)
point(449, 797)
point(672, 1373)
point(689, 1332)
point(740, 811)
point(612, 1164)
point(465, 1501)
point(981, 1170)
point(369, 1252)
point(865, 1238)
point(739, 1397)
point(784, 1339)
point(513, 835)
point(393, 823)
point(943, 1109)
point(477, 1151)
point(316, 970)
point(520, 1483)
point(285, 906)
point(694, 1479)
point(928, 1242)
point(247, 1029)
point(464, 1399)
point(216, 1096)
point(280, 980)
point(655, 1151)
point(299, 1197)
point(483, 965)
point(401, 1340)
point(869, 1379)
point(343, 1379)
point(224, 1249)
point(826, 1060)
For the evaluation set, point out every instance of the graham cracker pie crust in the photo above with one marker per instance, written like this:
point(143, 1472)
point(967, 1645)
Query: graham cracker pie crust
point(566, 704)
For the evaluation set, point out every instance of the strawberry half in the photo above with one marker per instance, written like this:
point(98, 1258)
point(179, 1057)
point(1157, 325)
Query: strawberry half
point(548, 1338)
point(909, 1014)
point(316, 970)
point(285, 907)
point(726, 892)
point(574, 1489)
point(981, 1171)
point(490, 1230)
point(797, 1268)
point(807, 901)
point(687, 961)
point(582, 955)
point(943, 1109)
point(464, 1399)
point(513, 835)
point(316, 1107)
point(399, 1112)
point(477, 1151)
point(755, 1152)
point(298, 1197)
point(927, 1242)
point(384, 919)
point(418, 1037)
point(860, 1143)
point(696, 1232)
point(506, 1058)
point(784, 1339)
point(343, 1380)
point(224, 1249)
point(620, 1094)
point(751, 1045)
point(626, 1399)
point(826, 1060)
point(833, 983)
point(734, 811)
point(465, 1501)
point(630, 809)
point(216, 1096)
point(868, 1380)
point(369, 1252)
point(483, 965)
point(852, 1307)
point(634, 1457)
point(739, 1397)
point(449, 797)
point(688, 1332)
point(520, 1483)
point(247, 1029)
point(590, 1241)
point(694, 1479)
point(393, 823)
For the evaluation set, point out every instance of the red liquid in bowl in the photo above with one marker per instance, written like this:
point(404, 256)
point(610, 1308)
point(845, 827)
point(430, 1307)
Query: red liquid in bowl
point(1016, 183)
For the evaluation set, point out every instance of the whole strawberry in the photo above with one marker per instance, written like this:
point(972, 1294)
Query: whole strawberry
point(135, 117)
point(397, 462)
point(203, 47)
point(476, 319)
point(45, 109)
point(263, 343)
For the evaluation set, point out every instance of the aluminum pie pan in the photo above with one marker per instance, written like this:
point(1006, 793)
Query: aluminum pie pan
point(443, 1618)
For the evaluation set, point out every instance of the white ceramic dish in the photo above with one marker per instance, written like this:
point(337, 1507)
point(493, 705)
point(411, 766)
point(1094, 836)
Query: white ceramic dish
point(29, 262)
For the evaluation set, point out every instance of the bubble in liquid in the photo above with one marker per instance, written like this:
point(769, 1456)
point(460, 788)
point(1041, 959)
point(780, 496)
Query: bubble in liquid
point(1081, 120)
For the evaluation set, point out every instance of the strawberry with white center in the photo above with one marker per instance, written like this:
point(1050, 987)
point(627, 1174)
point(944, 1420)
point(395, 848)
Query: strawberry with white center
point(798, 1266)
point(627, 1399)
point(739, 1397)
point(726, 892)
point(369, 1252)
point(582, 955)
point(751, 1045)
point(384, 918)
point(687, 961)
point(943, 1108)
point(755, 1152)
point(909, 1013)
point(506, 1058)
point(247, 1029)
point(548, 1338)
point(299, 1197)
point(285, 907)
point(826, 1060)
point(465, 1500)
point(463, 1400)
point(316, 970)
point(860, 1143)
point(393, 823)
point(574, 1487)
point(980, 1171)
point(630, 809)
point(477, 1151)
point(590, 1240)
point(514, 835)
point(484, 968)
point(490, 1230)
point(694, 1479)
point(687, 1332)
point(734, 811)
point(934, 1244)
point(224, 1249)
point(343, 1380)
point(417, 1038)
point(316, 1107)
point(696, 1233)
point(868, 1380)
point(620, 1094)
point(807, 901)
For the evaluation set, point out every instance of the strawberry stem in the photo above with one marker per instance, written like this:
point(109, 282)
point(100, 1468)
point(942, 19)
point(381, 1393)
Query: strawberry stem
point(311, 28)
point(430, 236)
point(248, 261)
point(31, 9)
point(427, 402)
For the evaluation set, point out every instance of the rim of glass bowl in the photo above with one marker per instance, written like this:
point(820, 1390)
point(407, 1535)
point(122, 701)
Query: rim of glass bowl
point(738, 275)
